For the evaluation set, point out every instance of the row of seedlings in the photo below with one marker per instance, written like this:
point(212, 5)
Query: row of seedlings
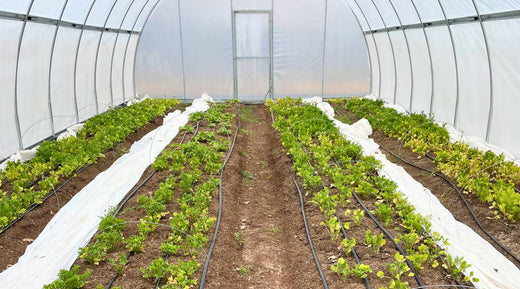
point(27, 184)
point(485, 175)
point(340, 180)
point(176, 216)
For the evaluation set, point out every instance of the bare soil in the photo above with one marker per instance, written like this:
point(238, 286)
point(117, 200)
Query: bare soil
point(14, 241)
point(261, 242)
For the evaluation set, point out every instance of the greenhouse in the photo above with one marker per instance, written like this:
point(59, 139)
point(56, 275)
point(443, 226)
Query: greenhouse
point(259, 144)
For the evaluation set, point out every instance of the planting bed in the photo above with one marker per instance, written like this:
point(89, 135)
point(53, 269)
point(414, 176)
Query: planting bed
point(505, 231)
point(15, 239)
point(253, 160)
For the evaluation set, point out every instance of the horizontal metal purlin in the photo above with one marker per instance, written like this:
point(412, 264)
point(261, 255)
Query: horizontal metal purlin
point(253, 57)
point(467, 19)
point(54, 22)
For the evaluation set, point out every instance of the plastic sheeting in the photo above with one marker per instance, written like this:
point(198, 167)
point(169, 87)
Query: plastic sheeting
point(9, 31)
point(298, 49)
point(492, 268)
point(57, 245)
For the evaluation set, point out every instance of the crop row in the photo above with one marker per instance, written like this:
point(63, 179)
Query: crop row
point(193, 172)
point(61, 158)
point(322, 155)
point(488, 176)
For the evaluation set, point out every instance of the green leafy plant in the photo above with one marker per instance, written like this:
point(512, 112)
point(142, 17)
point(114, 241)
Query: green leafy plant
point(69, 279)
point(374, 241)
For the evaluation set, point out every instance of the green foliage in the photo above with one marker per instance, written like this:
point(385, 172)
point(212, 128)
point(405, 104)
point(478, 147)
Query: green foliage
point(374, 241)
point(69, 279)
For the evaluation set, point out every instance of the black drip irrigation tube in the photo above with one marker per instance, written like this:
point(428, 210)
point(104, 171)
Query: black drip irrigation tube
point(219, 215)
point(307, 230)
point(309, 238)
point(130, 195)
point(382, 228)
point(461, 197)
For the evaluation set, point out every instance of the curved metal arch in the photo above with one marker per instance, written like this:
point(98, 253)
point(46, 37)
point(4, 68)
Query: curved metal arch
point(366, 43)
point(182, 49)
point(114, 52)
point(375, 45)
point(391, 46)
point(490, 68)
point(16, 116)
point(76, 61)
point(49, 100)
point(456, 63)
point(324, 46)
point(97, 55)
point(126, 48)
point(139, 40)
point(429, 55)
point(409, 54)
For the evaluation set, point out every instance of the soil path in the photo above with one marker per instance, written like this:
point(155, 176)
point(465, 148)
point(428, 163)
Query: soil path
point(261, 241)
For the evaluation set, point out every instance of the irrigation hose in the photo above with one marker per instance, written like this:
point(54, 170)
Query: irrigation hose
point(219, 215)
point(307, 231)
point(378, 224)
point(309, 239)
point(129, 196)
point(461, 197)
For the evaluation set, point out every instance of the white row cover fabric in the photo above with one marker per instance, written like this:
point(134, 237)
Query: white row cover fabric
point(75, 223)
point(491, 267)
point(304, 52)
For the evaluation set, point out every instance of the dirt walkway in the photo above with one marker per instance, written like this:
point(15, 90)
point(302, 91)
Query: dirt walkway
point(261, 242)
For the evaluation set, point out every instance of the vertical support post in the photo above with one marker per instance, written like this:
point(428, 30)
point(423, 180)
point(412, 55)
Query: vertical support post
point(456, 62)
point(126, 49)
point(429, 55)
point(76, 106)
point(324, 46)
point(20, 39)
point(271, 59)
point(49, 99)
point(409, 54)
point(139, 41)
point(490, 68)
point(375, 45)
point(234, 40)
point(97, 56)
point(391, 47)
point(182, 50)
point(114, 52)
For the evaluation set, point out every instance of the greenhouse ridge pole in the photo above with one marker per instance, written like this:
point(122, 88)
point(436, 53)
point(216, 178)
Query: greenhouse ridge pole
point(490, 68)
point(76, 106)
point(50, 67)
point(429, 54)
point(114, 52)
point(375, 45)
point(182, 50)
point(16, 116)
point(97, 55)
point(324, 46)
point(391, 47)
point(456, 62)
point(409, 54)
point(139, 41)
point(126, 49)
